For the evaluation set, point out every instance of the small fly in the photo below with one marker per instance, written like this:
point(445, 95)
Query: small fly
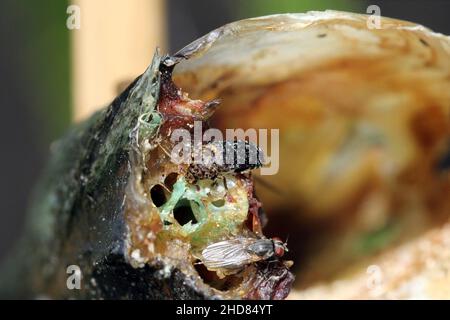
point(225, 157)
point(230, 256)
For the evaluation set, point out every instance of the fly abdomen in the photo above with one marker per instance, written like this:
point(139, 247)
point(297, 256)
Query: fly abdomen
point(241, 156)
point(225, 157)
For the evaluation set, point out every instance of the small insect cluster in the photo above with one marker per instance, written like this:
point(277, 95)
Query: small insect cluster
point(211, 161)
point(232, 255)
point(225, 157)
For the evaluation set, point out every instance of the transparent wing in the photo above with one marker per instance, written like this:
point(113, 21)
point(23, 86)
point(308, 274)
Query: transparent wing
point(228, 254)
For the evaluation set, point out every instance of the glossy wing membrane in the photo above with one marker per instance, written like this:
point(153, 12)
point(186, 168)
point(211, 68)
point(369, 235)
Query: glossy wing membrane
point(228, 254)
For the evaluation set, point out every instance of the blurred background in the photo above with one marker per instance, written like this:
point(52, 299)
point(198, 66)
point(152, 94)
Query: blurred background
point(52, 76)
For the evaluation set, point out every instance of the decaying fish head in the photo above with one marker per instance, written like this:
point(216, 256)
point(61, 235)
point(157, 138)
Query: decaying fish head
point(175, 210)
point(363, 115)
point(362, 186)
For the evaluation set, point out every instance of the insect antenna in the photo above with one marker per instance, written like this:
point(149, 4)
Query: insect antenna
point(285, 243)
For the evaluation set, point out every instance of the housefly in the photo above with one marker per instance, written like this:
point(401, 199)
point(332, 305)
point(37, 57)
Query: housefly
point(225, 157)
point(230, 256)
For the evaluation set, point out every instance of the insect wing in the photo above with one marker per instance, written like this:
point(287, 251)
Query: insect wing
point(228, 254)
